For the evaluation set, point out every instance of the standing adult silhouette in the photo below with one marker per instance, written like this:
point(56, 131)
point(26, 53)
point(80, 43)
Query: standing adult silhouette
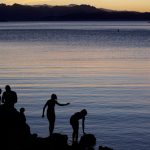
point(74, 121)
point(9, 97)
point(50, 104)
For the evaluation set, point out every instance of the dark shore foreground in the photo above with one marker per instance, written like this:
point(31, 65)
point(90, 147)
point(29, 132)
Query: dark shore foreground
point(15, 134)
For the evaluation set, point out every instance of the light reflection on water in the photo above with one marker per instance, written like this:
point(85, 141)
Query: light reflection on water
point(98, 69)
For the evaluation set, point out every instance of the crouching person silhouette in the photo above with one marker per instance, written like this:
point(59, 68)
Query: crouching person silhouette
point(74, 121)
point(50, 104)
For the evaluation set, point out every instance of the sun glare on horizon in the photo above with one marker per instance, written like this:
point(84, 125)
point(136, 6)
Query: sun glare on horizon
point(131, 5)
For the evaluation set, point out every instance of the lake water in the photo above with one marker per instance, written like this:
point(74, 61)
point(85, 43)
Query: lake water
point(89, 64)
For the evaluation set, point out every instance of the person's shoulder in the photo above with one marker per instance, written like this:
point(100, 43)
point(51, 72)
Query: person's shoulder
point(49, 101)
point(13, 92)
point(52, 100)
point(4, 93)
point(77, 114)
point(55, 101)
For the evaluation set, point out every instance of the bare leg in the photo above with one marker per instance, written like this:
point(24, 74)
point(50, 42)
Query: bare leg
point(75, 127)
point(52, 127)
point(73, 137)
point(51, 120)
point(76, 139)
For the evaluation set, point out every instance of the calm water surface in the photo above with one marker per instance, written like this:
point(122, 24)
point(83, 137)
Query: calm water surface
point(89, 64)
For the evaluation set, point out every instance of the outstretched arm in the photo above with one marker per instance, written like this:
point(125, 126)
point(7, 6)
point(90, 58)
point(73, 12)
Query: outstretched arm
point(62, 104)
point(44, 109)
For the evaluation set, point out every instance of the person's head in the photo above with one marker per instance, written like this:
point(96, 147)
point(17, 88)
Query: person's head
point(7, 88)
point(22, 110)
point(84, 112)
point(54, 96)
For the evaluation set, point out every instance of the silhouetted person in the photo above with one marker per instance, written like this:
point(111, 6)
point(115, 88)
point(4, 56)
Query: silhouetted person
point(26, 133)
point(0, 96)
point(74, 121)
point(22, 115)
point(51, 111)
point(9, 97)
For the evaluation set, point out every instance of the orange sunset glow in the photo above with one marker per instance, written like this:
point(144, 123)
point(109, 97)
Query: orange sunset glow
point(131, 5)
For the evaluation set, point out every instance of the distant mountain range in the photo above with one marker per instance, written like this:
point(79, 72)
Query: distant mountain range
point(72, 12)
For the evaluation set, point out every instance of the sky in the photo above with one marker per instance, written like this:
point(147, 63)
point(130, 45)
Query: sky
point(131, 5)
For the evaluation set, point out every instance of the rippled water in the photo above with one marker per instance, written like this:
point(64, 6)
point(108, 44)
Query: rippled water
point(89, 64)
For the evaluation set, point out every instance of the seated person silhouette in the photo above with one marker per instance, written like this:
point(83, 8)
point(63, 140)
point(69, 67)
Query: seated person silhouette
point(51, 111)
point(22, 115)
point(74, 121)
point(9, 97)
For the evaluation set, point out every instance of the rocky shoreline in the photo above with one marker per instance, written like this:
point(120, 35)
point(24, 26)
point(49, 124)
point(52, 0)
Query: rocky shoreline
point(15, 134)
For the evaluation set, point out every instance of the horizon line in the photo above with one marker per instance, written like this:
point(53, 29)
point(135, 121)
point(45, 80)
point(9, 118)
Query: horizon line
point(71, 5)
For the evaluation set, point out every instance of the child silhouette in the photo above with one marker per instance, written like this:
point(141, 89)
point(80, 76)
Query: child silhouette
point(74, 121)
point(50, 104)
